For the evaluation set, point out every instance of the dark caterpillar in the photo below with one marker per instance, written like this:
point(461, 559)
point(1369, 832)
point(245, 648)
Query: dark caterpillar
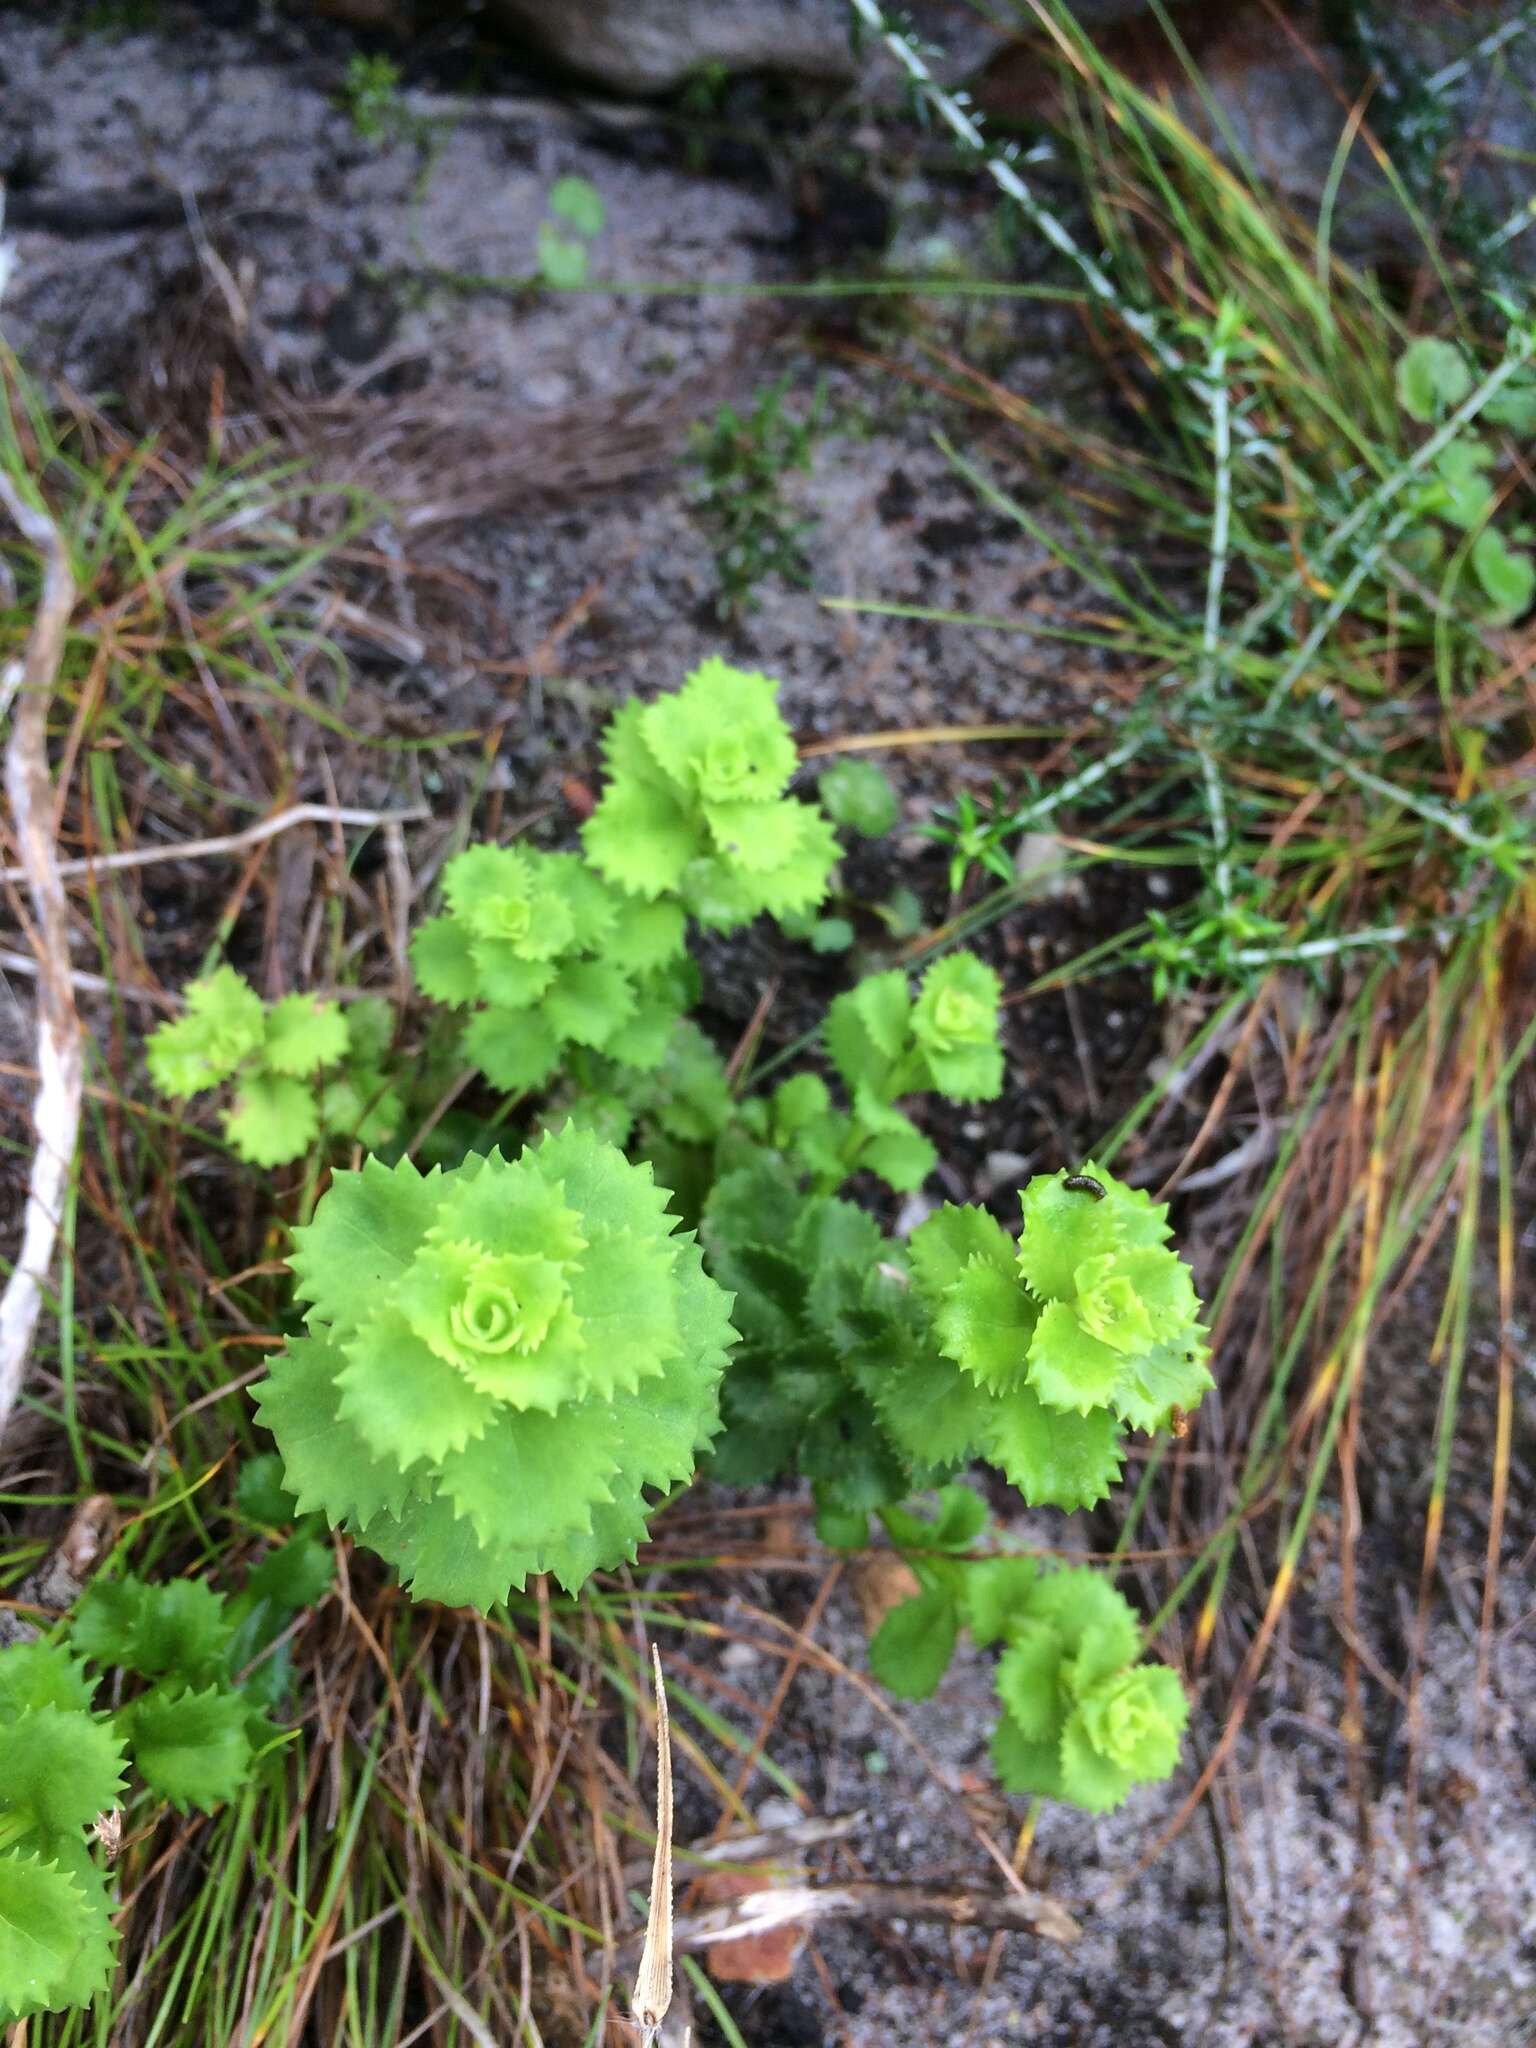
point(1085, 1184)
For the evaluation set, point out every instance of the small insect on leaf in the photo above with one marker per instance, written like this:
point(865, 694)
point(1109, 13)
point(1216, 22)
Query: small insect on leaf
point(1085, 1184)
point(653, 1979)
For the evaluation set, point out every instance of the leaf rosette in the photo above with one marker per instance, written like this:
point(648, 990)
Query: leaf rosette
point(549, 956)
point(501, 1358)
point(1082, 1720)
point(695, 808)
point(1090, 1324)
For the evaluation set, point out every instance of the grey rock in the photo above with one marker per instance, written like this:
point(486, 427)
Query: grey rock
point(649, 46)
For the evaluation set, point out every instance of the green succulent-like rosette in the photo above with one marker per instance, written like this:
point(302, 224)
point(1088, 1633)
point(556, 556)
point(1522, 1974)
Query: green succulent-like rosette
point(1082, 1720)
point(1088, 1325)
point(695, 806)
point(501, 1358)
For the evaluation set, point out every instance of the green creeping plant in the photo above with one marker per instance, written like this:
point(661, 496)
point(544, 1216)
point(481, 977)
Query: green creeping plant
point(298, 1066)
point(194, 1733)
point(695, 809)
point(875, 1368)
point(884, 1043)
point(549, 957)
point(61, 1766)
point(1433, 378)
point(501, 1358)
point(836, 1377)
point(1081, 1720)
point(1087, 1326)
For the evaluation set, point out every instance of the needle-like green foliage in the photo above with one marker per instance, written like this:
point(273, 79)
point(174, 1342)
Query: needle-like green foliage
point(297, 1066)
point(501, 1358)
point(549, 957)
point(61, 1765)
point(1087, 1325)
point(695, 809)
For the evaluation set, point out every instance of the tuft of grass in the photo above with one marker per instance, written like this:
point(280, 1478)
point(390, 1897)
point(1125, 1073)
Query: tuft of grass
point(1328, 742)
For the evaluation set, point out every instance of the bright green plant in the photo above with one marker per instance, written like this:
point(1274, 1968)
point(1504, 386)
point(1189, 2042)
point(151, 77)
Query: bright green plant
point(1087, 1326)
point(885, 1044)
point(501, 1358)
point(61, 1767)
point(836, 1377)
point(577, 215)
point(549, 957)
point(298, 1066)
point(197, 1728)
point(1081, 1719)
point(696, 810)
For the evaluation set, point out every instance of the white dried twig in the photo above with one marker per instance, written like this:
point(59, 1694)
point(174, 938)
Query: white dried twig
point(653, 1979)
point(227, 842)
point(29, 791)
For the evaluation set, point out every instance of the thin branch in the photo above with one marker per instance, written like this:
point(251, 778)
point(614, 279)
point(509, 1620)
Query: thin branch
point(29, 790)
point(228, 842)
point(955, 1905)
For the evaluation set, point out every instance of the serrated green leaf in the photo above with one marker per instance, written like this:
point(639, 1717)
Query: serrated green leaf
point(912, 1648)
point(177, 1626)
point(507, 977)
point(40, 1674)
point(1134, 1719)
point(646, 936)
point(987, 1324)
point(721, 735)
point(274, 1119)
point(1062, 1227)
point(997, 1591)
point(43, 1913)
point(1023, 1766)
point(443, 961)
point(867, 1029)
point(361, 1239)
point(260, 1495)
point(640, 837)
point(60, 1769)
point(303, 1035)
point(588, 1001)
point(1165, 1378)
point(223, 1026)
point(1090, 1779)
point(405, 1402)
point(1070, 1368)
point(515, 1049)
point(192, 1748)
point(1029, 1680)
point(955, 1022)
point(902, 1159)
point(933, 1413)
point(1055, 1458)
point(952, 1239)
point(328, 1464)
point(1097, 1624)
